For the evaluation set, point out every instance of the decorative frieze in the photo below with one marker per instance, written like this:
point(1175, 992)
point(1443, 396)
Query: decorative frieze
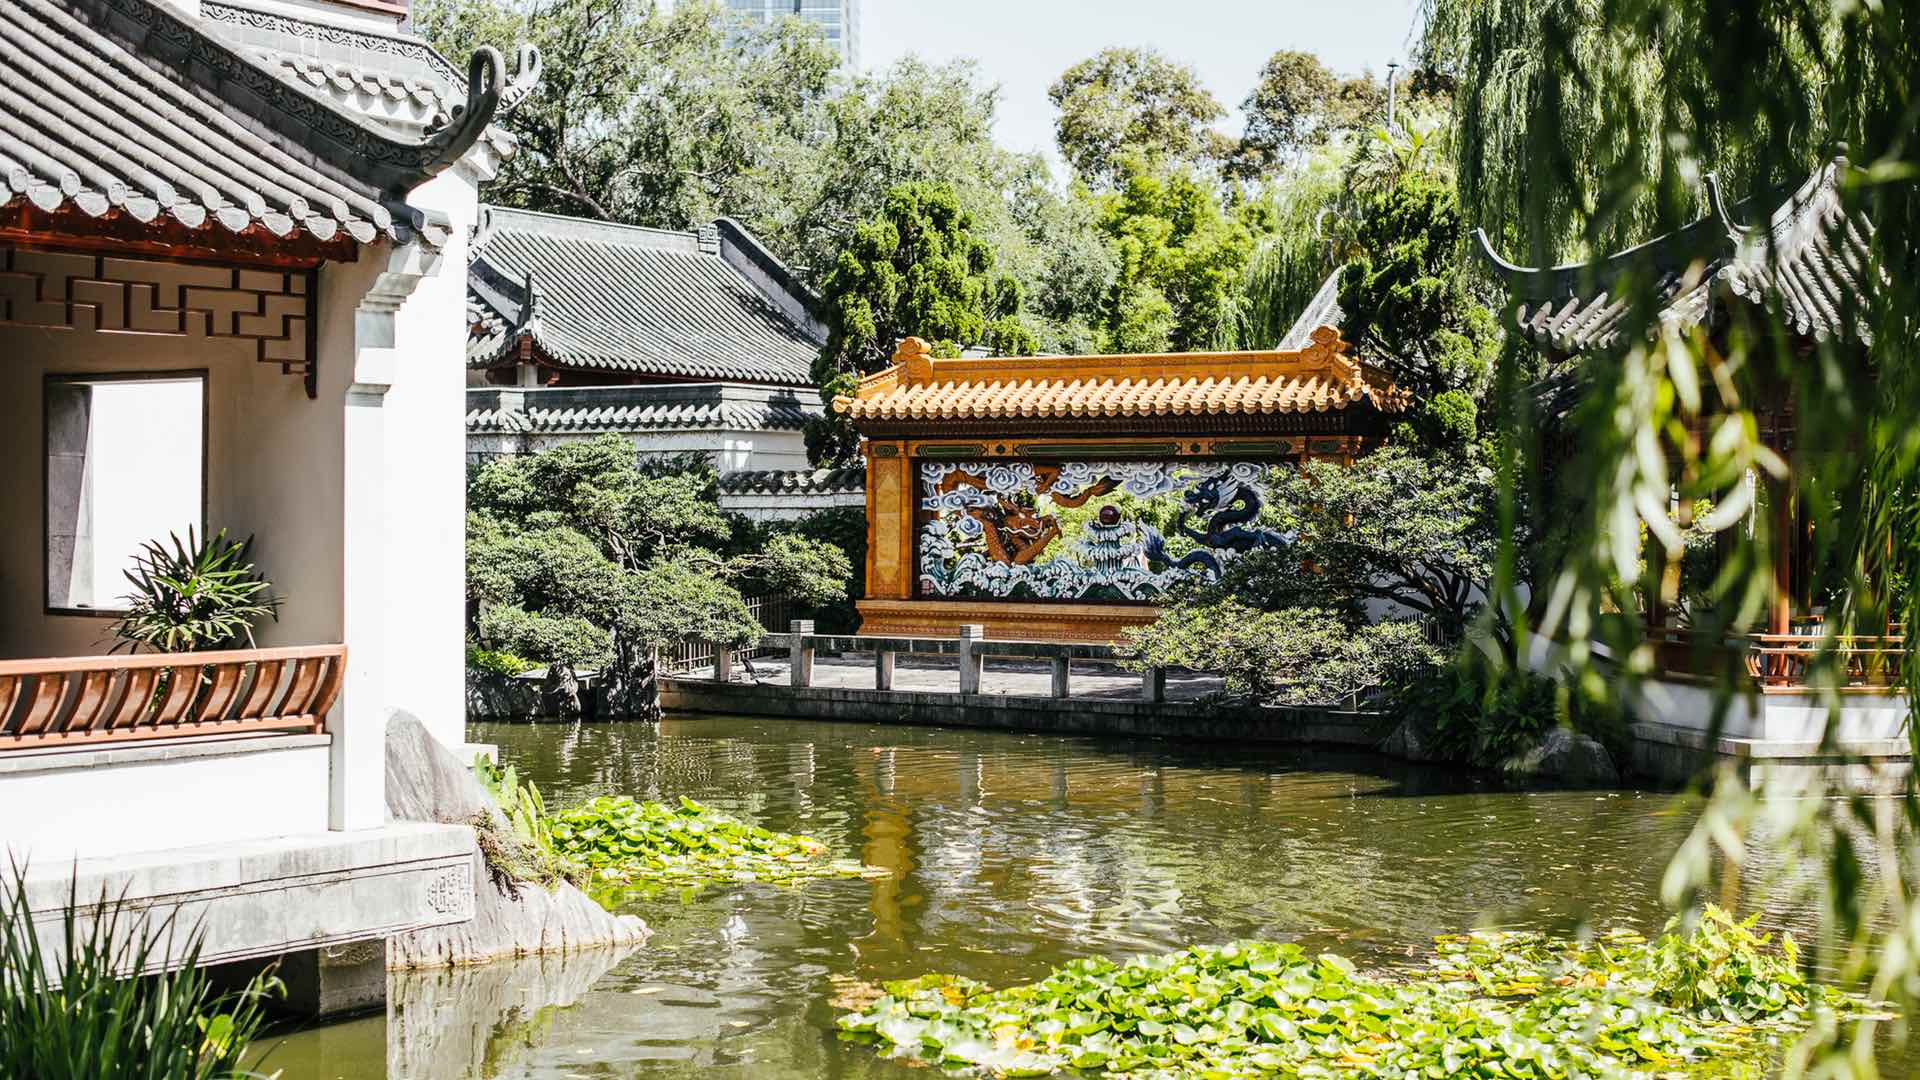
point(104, 294)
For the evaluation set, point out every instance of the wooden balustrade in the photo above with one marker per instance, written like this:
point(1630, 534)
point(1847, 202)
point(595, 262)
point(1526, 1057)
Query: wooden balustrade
point(1784, 660)
point(1794, 659)
point(95, 699)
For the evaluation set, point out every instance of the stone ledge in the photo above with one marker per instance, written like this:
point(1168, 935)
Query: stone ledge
point(284, 894)
point(53, 759)
point(1011, 712)
point(1770, 749)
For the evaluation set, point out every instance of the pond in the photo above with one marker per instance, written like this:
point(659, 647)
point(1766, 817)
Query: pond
point(1011, 853)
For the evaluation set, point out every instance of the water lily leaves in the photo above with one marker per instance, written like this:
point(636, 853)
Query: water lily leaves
point(1504, 1006)
point(625, 843)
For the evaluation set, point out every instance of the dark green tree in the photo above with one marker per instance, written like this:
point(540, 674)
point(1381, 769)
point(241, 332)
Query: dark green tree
point(1409, 306)
point(916, 270)
point(580, 558)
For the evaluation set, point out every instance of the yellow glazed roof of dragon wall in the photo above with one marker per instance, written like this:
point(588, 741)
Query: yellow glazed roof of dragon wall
point(1318, 378)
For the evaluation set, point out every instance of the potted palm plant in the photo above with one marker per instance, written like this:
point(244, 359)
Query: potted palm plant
point(194, 596)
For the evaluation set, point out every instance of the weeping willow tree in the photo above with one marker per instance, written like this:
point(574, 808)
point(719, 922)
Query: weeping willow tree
point(1305, 245)
point(1586, 125)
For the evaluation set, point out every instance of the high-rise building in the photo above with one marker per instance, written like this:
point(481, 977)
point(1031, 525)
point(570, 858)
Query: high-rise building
point(840, 19)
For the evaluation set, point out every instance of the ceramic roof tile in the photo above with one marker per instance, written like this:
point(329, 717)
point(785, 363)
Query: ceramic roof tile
point(1317, 378)
point(123, 106)
point(592, 295)
point(1806, 261)
point(628, 409)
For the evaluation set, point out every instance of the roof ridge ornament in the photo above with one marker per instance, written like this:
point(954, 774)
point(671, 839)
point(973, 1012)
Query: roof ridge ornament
point(914, 357)
point(1722, 211)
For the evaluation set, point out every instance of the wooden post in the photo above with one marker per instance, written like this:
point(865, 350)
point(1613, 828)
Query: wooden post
point(722, 663)
point(800, 653)
point(1062, 674)
point(1781, 620)
point(1153, 685)
point(971, 662)
point(883, 669)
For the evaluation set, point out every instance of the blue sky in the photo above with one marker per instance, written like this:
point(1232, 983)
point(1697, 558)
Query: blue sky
point(1025, 44)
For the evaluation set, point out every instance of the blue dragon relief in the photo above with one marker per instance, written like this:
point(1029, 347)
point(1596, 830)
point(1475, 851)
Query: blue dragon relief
point(1227, 505)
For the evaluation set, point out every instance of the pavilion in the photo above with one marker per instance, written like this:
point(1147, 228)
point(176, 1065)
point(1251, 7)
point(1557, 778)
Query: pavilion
point(1795, 268)
point(1055, 498)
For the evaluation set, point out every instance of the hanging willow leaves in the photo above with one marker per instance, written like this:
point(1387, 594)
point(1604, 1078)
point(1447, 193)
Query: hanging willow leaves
point(1585, 126)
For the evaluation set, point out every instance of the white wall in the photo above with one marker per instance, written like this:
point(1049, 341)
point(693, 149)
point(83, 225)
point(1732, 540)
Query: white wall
point(426, 481)
point(93, 803)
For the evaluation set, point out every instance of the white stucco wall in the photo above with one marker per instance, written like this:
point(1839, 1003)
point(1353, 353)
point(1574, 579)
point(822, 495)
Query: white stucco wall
point(116, 801)
point(273, 471)
point(426, 486)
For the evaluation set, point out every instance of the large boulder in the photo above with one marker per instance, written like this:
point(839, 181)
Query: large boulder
point(425, 782)
point(1564, 757)
point(1407, 743)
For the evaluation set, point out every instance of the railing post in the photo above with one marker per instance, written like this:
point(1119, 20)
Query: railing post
point(883, 669)
point(970, 660)
point(722, 663)
point(1153, 685)
point(800, 653)
point(1062, 674)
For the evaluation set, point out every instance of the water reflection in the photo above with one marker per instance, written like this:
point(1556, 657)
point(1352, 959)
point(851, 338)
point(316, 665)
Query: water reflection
point(1010, 853)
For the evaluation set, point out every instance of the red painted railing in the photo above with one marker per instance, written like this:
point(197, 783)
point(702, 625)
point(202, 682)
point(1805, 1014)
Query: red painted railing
point(1785, 660)
point(95, 699)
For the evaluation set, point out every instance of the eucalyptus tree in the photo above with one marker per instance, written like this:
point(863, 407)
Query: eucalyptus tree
point(1132, 102)
point(1585, 126)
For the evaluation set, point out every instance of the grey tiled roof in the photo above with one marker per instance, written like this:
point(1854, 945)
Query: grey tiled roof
point(625, 409)
point(649, 302)
point(395, 80)
point(1322, 310)
point(850, 481)
point(1808, 262)
point(125, 107)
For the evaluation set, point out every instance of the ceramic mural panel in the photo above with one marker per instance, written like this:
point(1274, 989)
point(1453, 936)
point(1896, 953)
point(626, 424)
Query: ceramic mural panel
point(1088, 531)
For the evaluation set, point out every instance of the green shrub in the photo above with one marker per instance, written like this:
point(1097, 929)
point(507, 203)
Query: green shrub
point(1470, 711)
point(93, 1021)
point(497, 661)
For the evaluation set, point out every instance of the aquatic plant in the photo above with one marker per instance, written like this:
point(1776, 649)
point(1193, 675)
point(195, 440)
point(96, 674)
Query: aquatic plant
point(1490, 1004)
point(75, 1009)
point(624, 841)
point(530, 852)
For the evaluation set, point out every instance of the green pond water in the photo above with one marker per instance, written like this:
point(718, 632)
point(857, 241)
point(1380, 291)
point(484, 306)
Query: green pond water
point(1010, 853)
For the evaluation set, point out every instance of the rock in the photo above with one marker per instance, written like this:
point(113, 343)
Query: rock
point(1405, 742)
point(451, 1023)
point(425, 782)
point(491, 696)
point(1564, 757)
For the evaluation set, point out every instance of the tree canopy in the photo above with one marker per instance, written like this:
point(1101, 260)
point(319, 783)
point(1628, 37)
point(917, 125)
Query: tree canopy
point(578, 557)
point(1129, 102)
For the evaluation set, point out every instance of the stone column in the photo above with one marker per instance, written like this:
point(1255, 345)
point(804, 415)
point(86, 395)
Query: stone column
point(971, 662)
point(883, 669)
point(800, 653)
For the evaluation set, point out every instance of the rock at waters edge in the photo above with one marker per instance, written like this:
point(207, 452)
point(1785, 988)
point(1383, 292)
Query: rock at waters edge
point(1564, 757)
point(1405, 742)
point(425, 782)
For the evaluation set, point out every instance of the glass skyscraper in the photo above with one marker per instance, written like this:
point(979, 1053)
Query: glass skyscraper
point(839, 19)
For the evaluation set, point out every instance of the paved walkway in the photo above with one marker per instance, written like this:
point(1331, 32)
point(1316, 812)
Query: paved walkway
point(941, 675)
